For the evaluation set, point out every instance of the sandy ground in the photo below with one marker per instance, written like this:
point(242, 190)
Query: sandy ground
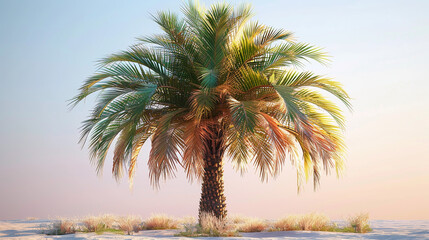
point(383, 229)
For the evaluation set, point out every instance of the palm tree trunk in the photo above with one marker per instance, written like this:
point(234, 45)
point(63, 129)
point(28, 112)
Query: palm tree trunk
point(212, 193)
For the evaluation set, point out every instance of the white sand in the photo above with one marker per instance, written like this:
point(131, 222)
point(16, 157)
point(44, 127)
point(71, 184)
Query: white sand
point(383, 229)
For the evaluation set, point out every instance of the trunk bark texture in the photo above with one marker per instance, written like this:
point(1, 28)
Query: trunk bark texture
point(212, 191)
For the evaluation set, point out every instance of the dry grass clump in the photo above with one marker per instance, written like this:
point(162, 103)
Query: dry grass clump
point(289, 223)
point(308, 222)
point(61, 227)
point(92, 224)
point(130, 224)
point(157, 222)
point(212, 225)
point(252, 225)
point(98, 223)
point(360, 223)
point(314, 222)
point(209, 226)
point(319, 222)
point(107, 220)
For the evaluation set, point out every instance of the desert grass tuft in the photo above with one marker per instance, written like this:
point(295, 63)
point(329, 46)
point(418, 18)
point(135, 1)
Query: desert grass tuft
point(92, 224)
point(160, 221)
point(130, 224)
point(359, 223)
point(307, 222)
point(209, 226)
point(61, 227)
point(98, 223)
point(212, 225)
point(289, 223)
point(252, 225)
point(314, 222)
point(319, 222)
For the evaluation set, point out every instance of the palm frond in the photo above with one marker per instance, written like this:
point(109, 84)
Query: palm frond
point(244, 115)
point(142, 134)
point(195, 136)
point(263, 154)
point(167, 145)
point(314, 97)
point(152, 59)
point(298, 53)
point(203, 103)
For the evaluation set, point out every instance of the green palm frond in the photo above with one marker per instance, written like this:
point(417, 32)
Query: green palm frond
point(237, 148)
point(263, 153)
point(298, 53)
point(244, 115)
point(314, 97)
point(167, 145)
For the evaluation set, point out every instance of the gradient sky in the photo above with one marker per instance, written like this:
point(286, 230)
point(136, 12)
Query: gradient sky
point(380, 53)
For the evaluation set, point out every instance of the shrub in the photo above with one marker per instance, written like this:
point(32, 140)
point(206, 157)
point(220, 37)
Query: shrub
point(130, 224)
point(289, 223)
point(318, 222)
point(157, 222)
point(314, 222)
point(360, 223)
point(99, 224)
point(107, 221)
point(61, 227)
point(92, 224)
point(252, 225)
point(213, 226)
point(209, 226)
point(308, 222)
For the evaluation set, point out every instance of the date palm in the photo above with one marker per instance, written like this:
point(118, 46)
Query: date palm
point(215, 86)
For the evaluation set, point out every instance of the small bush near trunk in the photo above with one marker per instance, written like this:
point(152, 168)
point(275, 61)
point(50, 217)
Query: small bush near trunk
point(209, 226)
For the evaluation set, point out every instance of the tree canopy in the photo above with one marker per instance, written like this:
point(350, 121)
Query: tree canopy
point(215, 67)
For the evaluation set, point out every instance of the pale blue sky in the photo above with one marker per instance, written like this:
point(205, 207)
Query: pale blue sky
point(48, 48)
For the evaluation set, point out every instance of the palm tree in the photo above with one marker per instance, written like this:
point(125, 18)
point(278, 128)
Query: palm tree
point(215, 86)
